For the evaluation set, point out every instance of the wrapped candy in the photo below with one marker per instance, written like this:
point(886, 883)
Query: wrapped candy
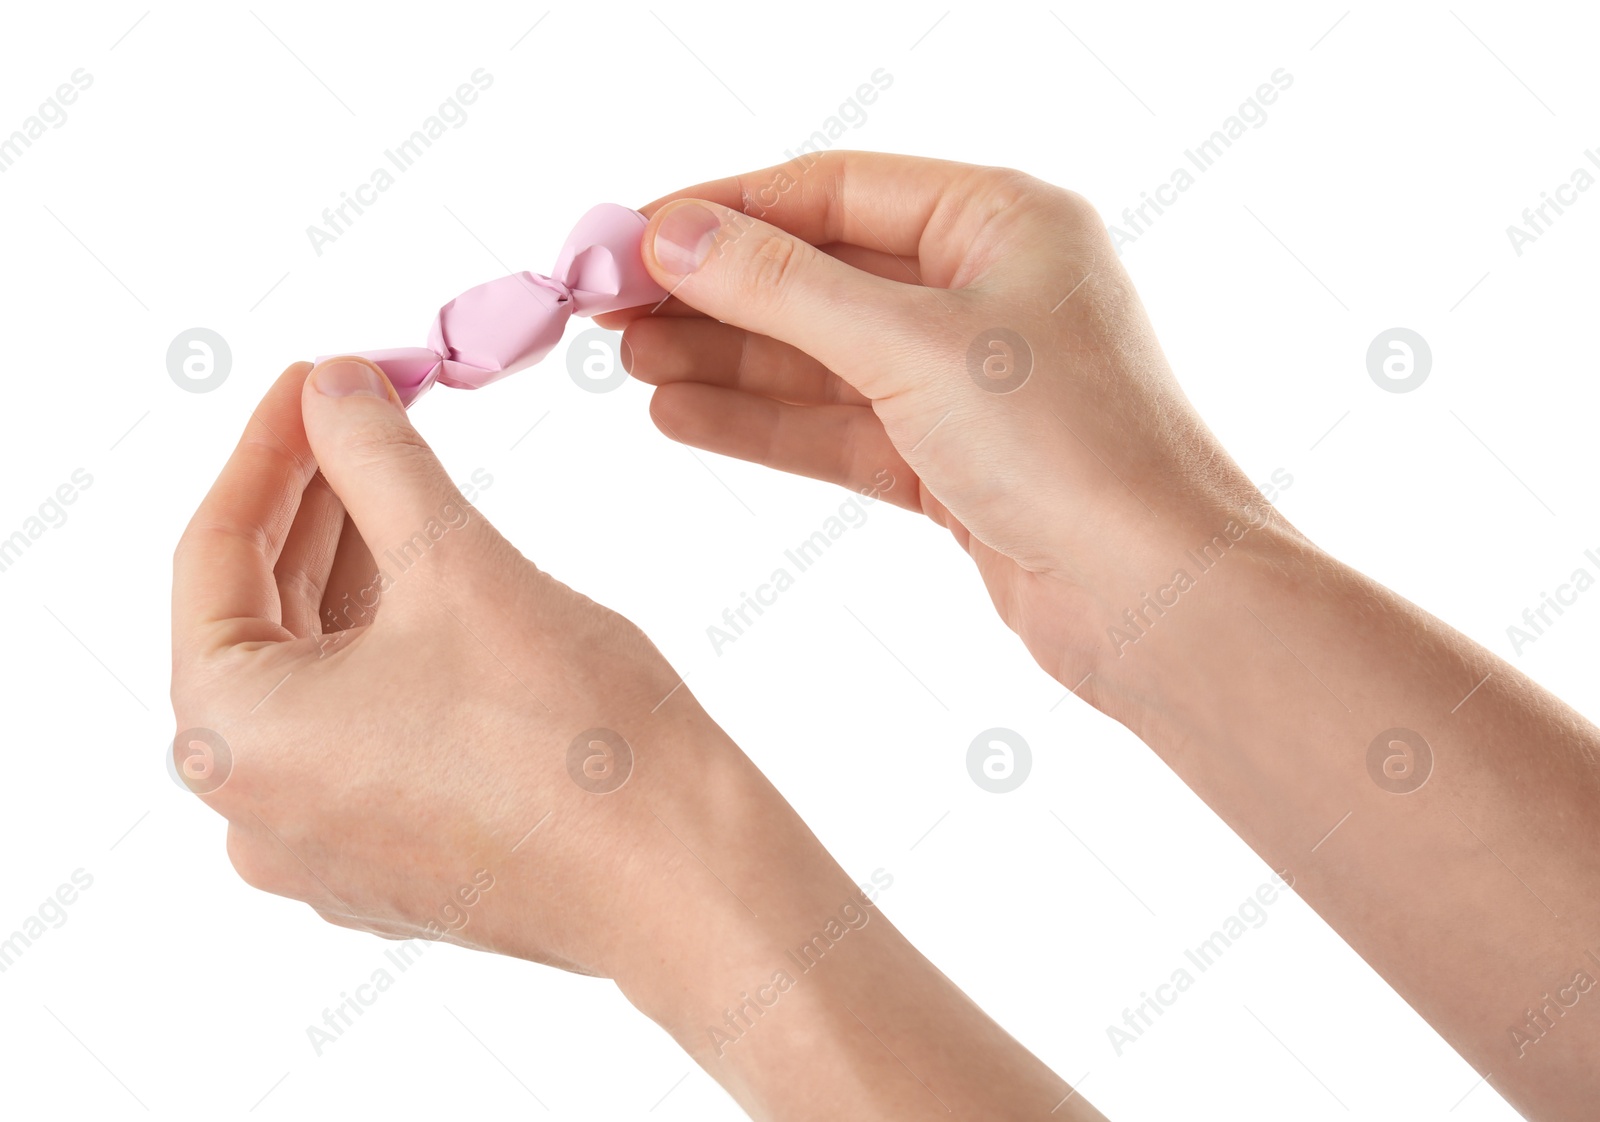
point(511, 323)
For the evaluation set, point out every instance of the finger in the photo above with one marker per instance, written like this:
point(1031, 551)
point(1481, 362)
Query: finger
point(307, 557)
point(745, 272)
point(717, 354)
point(871, 199)
point(843, 444)
point(671, 306)
point(351, 598)
point(887, 265)
point(223, 589)
point(392, 485)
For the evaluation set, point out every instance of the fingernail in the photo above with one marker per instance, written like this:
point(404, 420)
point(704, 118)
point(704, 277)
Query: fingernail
point(627, 355)
point(346, 377)
point(684, 238)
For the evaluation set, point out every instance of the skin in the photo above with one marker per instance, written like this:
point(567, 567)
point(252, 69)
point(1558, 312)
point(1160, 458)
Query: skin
point(1076, 494)
point(407, 773)
point(1263, 682)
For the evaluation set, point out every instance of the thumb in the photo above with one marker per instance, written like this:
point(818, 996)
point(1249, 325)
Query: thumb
point(751, 274)
point(389, 480)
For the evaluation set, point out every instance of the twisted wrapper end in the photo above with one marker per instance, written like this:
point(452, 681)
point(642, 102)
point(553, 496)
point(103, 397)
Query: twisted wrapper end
point(511, 323)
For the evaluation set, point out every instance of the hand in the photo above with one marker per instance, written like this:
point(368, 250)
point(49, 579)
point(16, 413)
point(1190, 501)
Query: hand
point(1083, 494)
point(418, 770)
point(431, 755)
point(970, 332)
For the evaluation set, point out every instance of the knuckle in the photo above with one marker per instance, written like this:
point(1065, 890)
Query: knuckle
point(380, 442)
point(994, 192)
point(248, 862)
point(257, 538)
point(1008, 189)
point(1078, 210)
point(299, 583)
point(772, 265)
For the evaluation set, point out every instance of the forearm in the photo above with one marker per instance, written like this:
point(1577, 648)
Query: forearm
point(870, 1031)
point(1470, 881)
point(796, 993)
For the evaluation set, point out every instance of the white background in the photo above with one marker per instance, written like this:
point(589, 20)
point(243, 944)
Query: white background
point(177, 194)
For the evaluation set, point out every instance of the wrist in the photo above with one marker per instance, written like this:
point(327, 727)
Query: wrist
point(738, 874)
point(781, 977)
point(1110, 613)
point(730, 996)
point(828, 1011)
point(1178, 628)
